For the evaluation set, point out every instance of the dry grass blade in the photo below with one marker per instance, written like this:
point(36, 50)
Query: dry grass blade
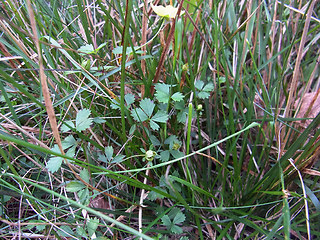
point(43, 79)
point(296, 72)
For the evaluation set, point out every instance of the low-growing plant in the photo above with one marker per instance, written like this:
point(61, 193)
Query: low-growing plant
point(159, 119)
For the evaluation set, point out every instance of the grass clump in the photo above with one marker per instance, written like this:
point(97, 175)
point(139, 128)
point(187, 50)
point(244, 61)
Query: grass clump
point(159, 120)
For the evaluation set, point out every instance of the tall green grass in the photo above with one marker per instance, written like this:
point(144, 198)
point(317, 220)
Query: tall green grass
point(200, 127)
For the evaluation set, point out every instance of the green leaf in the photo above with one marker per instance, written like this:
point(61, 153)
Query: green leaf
point(86, 49)
point(65, 128)
point(65, 231)
point(118, 158)
point(179, 218)
point(203, 95)
point(54, 164)
point(171, 140)
point(177, 97)
point(204, 90)
point(82, 120)
point(162, 92)
point(102, 158)
point(184, 238)
point(132, 129)
point(99, 47)
point(147, 106)
point(40, 227)
point(139, 115)
point(164, 156)
point(208, 88)
point(98, 120)
point(115, 104)
point(84, 196)
point(74, 186)
point(166, 221)
point(69, 141)
point(84, 174)
point(118, 50)
point(154, 125)
point(81, 232)
point(176, 153)
point(108, 151)
point(182, 116)
point(129, 98)
point(92, 226)
point(161, 117)
point(199, 85)
point(154, 195)
point(176, 229)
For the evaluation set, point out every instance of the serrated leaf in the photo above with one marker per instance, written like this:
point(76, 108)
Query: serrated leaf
point(184, 238)
point(176, 229)
point(92, 226)
point(129, 98)
point(199, 85)
point(55, 149)
point(139, 115)
point(203, 95)
point(176, 154)
point(65, 128)
point(182, 116)
point(84, 174)
point(115, 104)
point(174, 211)
point(39, 224)
point(179, 105)
point(82, 120)
point(74, 186)
point(179, 218)
point(171, 139)
point(154, 140)
point(147, 106)
point(102, 158)
point(177, 97)
point(164, 156)
point(161, 117)
point(69, 142)
point(208, 88)
point(72, 151)
point(84, 196)
point(108, 151)
point(65, 231)
point(54, 164)
point(166, 221)
point(162, 92)
point(154, 195)
point(154, 125)
point(81, 232)
point(118, 158)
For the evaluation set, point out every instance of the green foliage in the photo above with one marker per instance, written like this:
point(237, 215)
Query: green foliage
point(183, 127)
point(172, 220)
point(203, 90)
point(145, 113)
point(82, 122)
